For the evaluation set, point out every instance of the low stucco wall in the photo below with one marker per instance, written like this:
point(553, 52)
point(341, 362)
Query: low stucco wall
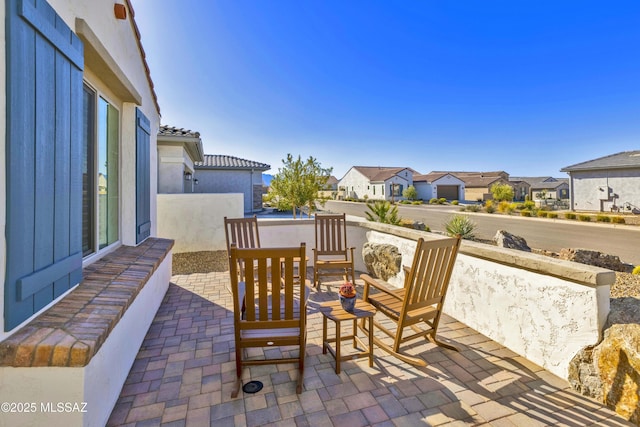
point(541, 308)
point(196, 221)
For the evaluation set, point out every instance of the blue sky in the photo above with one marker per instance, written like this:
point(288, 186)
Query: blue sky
point(522, 86)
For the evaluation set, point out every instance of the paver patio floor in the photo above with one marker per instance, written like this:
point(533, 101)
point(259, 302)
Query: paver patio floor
point(185, 370)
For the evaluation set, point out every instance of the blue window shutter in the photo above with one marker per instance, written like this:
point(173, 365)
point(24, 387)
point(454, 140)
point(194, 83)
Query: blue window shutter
point(44, 181)
point(143, 177)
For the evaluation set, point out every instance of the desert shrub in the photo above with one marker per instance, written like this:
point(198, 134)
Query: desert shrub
point(454, 202)
point(636, 270)
point(416, 202)
point(490, 207)
point(405, 202)
point(433, 201)
point(529, 204)
point(584, 218)
point(552, 215)
point(504, 207)
point(542, 214)
point(382, 211)
point(460, 225)
point(525, 212)
point(617, 220)
point(603, 218)
point(570, 215)
point(473, 208)
point(442, 201)
point(502, 192)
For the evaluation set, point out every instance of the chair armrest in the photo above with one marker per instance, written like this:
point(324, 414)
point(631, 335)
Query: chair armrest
point(370, 281)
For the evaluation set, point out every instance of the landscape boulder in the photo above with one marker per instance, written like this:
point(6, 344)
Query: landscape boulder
point(383, 261)
point(610, 371)
point(504, 239)
point(595, 258)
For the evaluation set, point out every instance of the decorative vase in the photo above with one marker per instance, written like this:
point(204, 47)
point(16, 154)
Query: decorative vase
point(348, 303)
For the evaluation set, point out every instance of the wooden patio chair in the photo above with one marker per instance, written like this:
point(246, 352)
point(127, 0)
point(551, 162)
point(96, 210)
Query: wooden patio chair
point(243, 232)
point(416, 308)
point(275, 311)
point(331, 256)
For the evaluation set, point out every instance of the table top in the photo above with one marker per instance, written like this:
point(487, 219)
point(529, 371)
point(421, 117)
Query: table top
point(334, 311)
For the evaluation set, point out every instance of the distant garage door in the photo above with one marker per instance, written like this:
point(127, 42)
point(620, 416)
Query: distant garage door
point(449, 192)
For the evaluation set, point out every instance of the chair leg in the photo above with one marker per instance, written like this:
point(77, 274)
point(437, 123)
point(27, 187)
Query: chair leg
point(236, 387)
point(437, 342)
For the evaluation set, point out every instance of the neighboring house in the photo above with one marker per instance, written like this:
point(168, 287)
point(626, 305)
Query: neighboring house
point(228, 174)
point(478, 184)
point(543, 188)
point(439, 185)
point(375, 182)
point(330, 189)
point(178, 150)
point(607, 183)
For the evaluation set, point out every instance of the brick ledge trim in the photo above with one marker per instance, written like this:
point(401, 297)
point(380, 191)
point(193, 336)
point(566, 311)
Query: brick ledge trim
point(72, 331)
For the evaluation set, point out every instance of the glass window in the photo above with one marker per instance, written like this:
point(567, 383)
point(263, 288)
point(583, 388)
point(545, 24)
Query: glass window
point(101, 187)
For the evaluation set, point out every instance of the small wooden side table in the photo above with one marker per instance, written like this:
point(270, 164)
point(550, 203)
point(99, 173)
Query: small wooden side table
point(333, 310)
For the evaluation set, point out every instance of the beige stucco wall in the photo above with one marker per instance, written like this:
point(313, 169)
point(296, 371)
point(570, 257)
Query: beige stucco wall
point(173, 161)
point(196, 221)
point(586, 194)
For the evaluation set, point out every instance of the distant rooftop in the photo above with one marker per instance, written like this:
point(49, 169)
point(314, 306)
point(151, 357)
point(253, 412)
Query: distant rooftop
point(625, 159)
point(174, 131)
point(219, 161)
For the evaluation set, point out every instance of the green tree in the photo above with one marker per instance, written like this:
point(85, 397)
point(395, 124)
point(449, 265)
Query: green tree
point(502, 192)
point(410, 193)
point(382, 211)
point(297, 184)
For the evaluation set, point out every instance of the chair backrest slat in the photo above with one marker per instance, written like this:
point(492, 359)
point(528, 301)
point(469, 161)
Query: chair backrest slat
point(274, 297)
point(430, 272)
point(331, 234)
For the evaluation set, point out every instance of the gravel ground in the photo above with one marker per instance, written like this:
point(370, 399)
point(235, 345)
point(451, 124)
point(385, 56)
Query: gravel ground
point(626, 285)
point(200, 262)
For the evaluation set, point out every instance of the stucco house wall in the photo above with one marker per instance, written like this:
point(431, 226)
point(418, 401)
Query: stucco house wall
point(173, 160)
point(607, 183)
point(595, 190)
point(448, 180)
point(231, 181)
point(357, 185)
point(424, 190)
point(112, 65)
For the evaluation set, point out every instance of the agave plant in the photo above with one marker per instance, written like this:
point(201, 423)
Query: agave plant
point(460, 225)
point(382, 211)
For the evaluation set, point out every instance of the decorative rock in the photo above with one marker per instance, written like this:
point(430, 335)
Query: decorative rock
point(589, 257)
point(382, 260)
point(610, 371)
point(504, 239)
point(618, 363)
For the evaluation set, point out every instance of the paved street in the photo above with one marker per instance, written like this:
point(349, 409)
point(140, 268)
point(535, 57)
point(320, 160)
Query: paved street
point(540, 233)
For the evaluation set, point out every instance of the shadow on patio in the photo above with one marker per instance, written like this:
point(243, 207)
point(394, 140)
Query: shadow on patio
point(185, 369)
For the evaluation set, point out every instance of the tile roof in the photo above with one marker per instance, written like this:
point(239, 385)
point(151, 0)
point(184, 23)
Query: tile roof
point(143, 54)
point(433, 176)
point(625, 159)
point(380, 173)
point(174, 131)
point(540, 181)
point(220, 161)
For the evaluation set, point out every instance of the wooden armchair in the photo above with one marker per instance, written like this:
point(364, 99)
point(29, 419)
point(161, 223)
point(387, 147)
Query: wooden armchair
point(331, 256)
point(243, 232)
point(275, 310)
point(418, 305)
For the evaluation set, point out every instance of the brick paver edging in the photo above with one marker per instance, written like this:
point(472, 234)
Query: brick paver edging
point(72, 331)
